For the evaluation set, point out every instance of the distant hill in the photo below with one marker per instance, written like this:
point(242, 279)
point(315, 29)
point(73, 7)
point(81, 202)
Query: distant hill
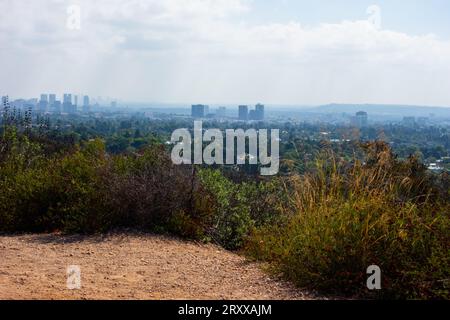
point(384, 109)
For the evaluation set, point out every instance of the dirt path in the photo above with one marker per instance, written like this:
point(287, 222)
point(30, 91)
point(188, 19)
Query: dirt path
point(130, 267)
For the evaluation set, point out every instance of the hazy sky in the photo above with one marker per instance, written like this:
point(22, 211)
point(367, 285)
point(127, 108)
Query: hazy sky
point(229, 51)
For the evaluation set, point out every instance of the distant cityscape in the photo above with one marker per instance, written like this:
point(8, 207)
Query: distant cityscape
point(199, 111)
point(318, 122)
point(49, 104)
point(74, 104)
point(69, 105)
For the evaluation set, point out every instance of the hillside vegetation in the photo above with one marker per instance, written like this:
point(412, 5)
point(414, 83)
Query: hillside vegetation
point(321, 229)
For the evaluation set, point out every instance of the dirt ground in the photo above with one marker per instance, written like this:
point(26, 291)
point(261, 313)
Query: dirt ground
point(131, 266)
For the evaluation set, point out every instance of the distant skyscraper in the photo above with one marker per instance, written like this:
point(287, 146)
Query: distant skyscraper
point(43, 103)
point(67, 106)
point(67, 98)
point(86, 105)
point(75, 100)
point(243, 112)
point(199, 110)
point(361, 119)
point(259, 111)
point(114, 104)
point(51, 102)
point(51, 99)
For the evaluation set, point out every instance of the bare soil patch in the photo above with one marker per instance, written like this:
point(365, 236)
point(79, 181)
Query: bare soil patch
point(131, 266)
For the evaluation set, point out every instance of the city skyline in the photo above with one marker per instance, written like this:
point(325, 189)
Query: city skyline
point(83, 100)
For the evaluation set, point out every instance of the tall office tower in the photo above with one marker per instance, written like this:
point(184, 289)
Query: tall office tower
point(51, 102)
point(86, 105)
point(259, 111)
point(43, 103)
point(67, 98)
point(243, 112)
point(199, 110)
point(67, 103)
point(221, 112)
point(51, 98)
point(361, 119)
point(75, 100)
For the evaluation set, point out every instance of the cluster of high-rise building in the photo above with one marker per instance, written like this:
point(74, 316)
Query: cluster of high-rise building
point(48, 103)
point(202, 111)
point(69, 104)
point(256, 114)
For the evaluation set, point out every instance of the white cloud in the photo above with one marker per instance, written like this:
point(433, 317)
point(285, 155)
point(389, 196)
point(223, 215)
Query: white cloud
point(204, 50)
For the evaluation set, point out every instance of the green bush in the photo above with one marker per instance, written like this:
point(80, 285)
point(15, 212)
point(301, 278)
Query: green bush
point(238, 208)
point(321, 230)
point(85, 190)
point(345, 219)
point(48, 194)
point(231, 220)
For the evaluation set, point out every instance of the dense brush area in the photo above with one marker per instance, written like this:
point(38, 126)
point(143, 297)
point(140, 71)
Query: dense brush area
point(321, 229)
